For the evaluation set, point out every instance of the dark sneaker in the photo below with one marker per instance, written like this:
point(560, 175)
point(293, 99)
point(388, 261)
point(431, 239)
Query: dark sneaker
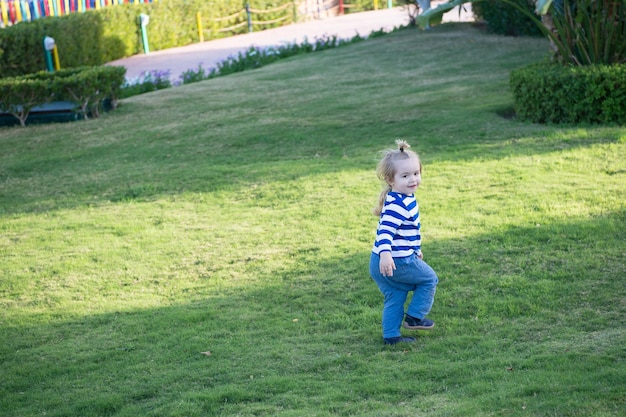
point(399, 339)
point(412, 323)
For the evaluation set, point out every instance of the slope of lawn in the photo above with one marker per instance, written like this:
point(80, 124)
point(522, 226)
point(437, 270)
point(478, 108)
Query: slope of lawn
point(233, 217)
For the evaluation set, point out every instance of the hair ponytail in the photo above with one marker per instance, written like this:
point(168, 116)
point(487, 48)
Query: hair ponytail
point(381, 201)
point(402, 145)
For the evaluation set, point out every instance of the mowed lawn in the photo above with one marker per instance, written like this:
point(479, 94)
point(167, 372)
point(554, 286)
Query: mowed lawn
point(203, 250)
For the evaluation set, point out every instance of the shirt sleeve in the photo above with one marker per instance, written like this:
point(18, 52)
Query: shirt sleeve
point(391, 219)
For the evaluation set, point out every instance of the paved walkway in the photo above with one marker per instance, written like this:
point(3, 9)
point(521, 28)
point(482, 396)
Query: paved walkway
point(208, 54)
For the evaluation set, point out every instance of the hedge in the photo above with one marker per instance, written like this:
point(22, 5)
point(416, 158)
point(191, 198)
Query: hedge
point(553, 93)
point(86, 87)
point(504, 19)
point(96, 37)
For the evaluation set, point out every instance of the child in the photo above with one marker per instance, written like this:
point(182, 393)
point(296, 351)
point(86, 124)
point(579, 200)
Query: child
point(396, 262)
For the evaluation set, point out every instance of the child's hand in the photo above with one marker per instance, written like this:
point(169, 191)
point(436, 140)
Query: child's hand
point(386, 265)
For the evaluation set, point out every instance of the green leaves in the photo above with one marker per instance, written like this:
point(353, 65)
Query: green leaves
point(434, 16)
point(583, 32)
point(551, 93)
point(86, 86)
point(590, 32)
point(18, 96)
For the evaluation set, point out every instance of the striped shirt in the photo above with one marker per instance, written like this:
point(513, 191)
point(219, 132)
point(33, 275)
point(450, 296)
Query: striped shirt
point(399, 226)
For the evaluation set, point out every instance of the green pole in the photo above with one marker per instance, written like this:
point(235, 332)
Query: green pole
point(144, 19)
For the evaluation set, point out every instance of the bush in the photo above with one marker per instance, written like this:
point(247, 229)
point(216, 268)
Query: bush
point(86, 87)
point(504, 19)
point(89, 87)
point(100, 36)
point(18, 96)
point(552, 93)
point(80, 40)
point(146, 82)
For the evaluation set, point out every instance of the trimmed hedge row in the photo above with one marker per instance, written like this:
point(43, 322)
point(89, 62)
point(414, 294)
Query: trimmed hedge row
point(100, 36)
point(86, 87)
point(81, 39)
point(553, 93)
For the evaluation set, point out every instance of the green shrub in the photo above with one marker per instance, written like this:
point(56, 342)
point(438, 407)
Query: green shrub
point(87, 87)
point(100, 36)
point(79, 39)
point(19, 96)
point(505, 19)
point(552, 93)
point(148, 81)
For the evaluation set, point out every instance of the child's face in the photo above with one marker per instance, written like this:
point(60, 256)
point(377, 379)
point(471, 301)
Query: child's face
point(408, 176)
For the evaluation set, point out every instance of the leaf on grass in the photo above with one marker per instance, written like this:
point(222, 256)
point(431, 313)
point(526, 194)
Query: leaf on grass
point(207, 353)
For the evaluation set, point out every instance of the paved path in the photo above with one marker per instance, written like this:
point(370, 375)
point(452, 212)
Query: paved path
point(208, 54)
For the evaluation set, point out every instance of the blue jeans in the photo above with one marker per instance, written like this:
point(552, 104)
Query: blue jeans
point(411, 274)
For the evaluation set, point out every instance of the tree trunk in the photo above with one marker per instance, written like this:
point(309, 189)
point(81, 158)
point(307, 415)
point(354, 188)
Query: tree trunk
point(546, 20)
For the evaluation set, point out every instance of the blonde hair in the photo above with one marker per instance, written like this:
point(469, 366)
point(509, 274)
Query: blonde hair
point(386, 169)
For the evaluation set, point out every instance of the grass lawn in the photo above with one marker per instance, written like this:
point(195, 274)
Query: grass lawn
point(233, 217)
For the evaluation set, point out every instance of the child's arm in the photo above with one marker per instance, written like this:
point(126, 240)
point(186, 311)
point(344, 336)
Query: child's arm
point(386, 265)
point(390, 221)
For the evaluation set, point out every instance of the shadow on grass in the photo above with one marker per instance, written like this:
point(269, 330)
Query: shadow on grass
point(538, 298)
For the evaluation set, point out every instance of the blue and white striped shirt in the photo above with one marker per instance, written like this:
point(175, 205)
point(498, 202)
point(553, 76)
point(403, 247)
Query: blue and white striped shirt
point(399, 226)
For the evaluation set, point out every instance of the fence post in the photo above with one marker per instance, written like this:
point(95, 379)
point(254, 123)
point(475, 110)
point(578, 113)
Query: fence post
point(22, 13)
point(35, 10)
point(200, 31)
point(4, 9)
point(340, 7)
point(249, 17)
point(389, 5)
point(18, 11)
point(55, 55)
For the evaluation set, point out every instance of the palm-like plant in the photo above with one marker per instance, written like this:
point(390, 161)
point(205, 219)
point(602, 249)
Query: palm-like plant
point(581, 32)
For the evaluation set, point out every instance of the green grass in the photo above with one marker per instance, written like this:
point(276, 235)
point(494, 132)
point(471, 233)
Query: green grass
point(233, 216)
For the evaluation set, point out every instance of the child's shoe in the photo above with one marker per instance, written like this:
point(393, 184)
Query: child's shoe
point(398, 339)
point(413, 323)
